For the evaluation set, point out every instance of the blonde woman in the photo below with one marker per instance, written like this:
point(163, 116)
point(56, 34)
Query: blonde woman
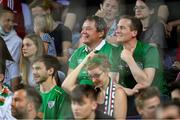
point(111, 98)
point(43, 24)
point(32, 48)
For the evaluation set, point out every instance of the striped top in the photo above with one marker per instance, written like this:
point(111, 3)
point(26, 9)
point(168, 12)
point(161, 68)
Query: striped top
point(108, 106)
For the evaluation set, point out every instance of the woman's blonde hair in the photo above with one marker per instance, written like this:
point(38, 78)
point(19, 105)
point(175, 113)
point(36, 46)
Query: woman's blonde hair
point(98, 61)
point(24, 62)
point(44, 23)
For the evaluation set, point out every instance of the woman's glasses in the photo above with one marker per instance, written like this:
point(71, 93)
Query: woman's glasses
point(96, 75)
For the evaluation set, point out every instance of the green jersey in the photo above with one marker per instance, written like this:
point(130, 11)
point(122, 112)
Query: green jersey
point(146, 56)
point(78, 56)
point(56, 104)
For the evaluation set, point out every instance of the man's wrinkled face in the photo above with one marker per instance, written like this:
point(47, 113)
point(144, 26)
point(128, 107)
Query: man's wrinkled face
point(89, 34)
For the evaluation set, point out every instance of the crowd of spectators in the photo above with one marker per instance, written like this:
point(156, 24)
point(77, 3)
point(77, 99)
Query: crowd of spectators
point(89, 59)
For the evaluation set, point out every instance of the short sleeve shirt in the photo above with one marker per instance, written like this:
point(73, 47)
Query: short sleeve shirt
point(56, 104)
point(146, 56)
point(51, 46)
point(78, 56)
point(60, 34)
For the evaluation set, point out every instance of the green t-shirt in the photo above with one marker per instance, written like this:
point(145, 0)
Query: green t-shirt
point(78, 56)
point(56, 104)
point(146, 56)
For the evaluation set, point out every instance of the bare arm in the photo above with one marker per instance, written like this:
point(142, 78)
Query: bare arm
point(70, 81)
point(175, 23)
point(115, 77)
point(66, 45)
point(142, 76)
point(120, 109)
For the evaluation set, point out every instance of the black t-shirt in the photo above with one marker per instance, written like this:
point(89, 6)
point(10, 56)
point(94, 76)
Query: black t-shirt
point(60, 34)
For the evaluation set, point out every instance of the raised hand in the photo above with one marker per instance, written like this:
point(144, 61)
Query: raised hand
point(101, 12)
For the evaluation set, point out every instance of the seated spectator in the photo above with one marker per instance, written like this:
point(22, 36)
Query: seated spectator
point(56, 103)
point(132, 59)
point(43, 24)
point(26, 102)
point(32, 48)
point(147, 101)
point(132, 65)
point(161, 8)
point(110, 10)
point(93, 38)
point(153, 29)
point(84, 103)
point(60, 34)
point(169, 110)
point(14, 44)
point(111, 98)
point(16, 7)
